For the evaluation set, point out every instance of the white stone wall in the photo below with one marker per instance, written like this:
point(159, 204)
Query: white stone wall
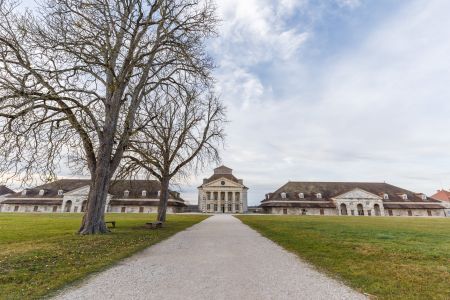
point(29, 208)
point(147, 209)
point(400, 212)
point(302, 211)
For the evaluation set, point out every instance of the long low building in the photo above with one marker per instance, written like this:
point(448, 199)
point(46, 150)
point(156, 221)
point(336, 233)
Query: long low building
point(349, 198)
point(70, 195)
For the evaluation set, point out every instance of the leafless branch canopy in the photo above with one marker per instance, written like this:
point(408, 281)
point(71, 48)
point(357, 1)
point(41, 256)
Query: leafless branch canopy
point(75, 74)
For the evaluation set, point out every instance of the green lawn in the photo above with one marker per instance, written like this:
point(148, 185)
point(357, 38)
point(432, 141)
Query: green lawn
point(40, 253)
point(391, 258)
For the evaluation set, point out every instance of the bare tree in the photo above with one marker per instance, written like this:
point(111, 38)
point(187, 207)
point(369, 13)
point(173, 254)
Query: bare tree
point(184, 135)
point(74, 74)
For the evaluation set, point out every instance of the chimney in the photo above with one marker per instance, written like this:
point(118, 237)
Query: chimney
point(241, 181)
point(205, 180)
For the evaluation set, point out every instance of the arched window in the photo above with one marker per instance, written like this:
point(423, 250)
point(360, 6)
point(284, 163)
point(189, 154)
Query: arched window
point(376, 207)
point(343, 208)
point(68, 206)
point(360, 210)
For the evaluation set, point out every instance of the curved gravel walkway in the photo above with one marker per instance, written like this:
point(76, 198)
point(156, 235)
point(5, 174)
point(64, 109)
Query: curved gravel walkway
point(219, 258)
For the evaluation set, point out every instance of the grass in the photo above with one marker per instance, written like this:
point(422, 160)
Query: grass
point(390, 258)
point(40, 253)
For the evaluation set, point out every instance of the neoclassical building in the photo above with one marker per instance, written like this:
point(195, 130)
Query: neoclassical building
point(69, 195)
point(349, 198)
point(222, 193)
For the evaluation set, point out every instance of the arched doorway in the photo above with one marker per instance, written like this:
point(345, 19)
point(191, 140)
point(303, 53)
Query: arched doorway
point(343, 208)
point(360, 210)
point(376, 207)
point(83, 206)
point(68, 206)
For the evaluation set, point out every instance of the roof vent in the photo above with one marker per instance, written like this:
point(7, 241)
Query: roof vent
point(283, 195)
point(24, 192)
point(126, 193)
point(144, 193)
point(41, 192)
point(319, 196)
point(301, 195)
point(385, 196)
point(60, 192)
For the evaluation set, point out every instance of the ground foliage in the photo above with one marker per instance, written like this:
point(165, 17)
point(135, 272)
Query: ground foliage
point(390, 258)
point(40, 253)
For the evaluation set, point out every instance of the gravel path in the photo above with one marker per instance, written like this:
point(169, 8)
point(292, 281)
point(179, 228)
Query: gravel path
point(219, 258)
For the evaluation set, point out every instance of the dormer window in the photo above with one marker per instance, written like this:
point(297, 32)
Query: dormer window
point(385, 196)
point(301, 195)
point(319, 196)
point(126, 193)
point(24, 192)
point(41, 192)
point(405, 197)
point(283, 195)
point(144, 193)
point(60, 192)
point(424, 197)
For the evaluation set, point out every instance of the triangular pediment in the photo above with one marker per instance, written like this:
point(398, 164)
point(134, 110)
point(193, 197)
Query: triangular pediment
point(82, 191)
point(218, 183)
point(357, 194)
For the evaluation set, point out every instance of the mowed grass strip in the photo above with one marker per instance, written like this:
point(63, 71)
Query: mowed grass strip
point(391, 258)
point(40, 253)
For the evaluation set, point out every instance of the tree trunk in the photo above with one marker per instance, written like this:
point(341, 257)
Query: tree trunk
point(94, 218)
point(163, 199)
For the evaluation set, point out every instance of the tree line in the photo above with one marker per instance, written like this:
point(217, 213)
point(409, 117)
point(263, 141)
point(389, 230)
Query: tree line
point(111, 88)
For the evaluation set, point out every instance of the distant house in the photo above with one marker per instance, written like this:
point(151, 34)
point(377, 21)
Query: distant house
point(4, 191)
point(222, 193)
point(444, 197)
point(70, 195)
point(349, 198)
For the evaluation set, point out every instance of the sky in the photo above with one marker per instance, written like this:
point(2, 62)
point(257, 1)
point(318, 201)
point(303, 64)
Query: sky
point(333, 90)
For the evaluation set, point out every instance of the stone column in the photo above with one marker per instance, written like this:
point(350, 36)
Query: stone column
point(218, 202)
point(233, 205)
point(226, 202)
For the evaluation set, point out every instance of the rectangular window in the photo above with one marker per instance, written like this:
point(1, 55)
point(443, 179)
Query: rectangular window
point(322, 212)
point(353, 212)
point(35, 208)
point(16, 208)
point(390, 212)
point(208, 195)
point(141, 209)
point(123, 209)
point(215, 207)
point(55, 208)
point(237, 206)
point(208, 206)
point(284, 211)
point(429, 212)
point(369, 212)
point(75, 209)
point(409, 212)
point(229, 207)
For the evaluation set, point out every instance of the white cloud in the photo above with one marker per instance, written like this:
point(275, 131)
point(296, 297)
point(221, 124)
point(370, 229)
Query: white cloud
point(376, 111)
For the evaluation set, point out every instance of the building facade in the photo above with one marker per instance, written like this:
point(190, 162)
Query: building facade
point(222, 193)
point(443, 196)
point(349, 198)
point(70, 196)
